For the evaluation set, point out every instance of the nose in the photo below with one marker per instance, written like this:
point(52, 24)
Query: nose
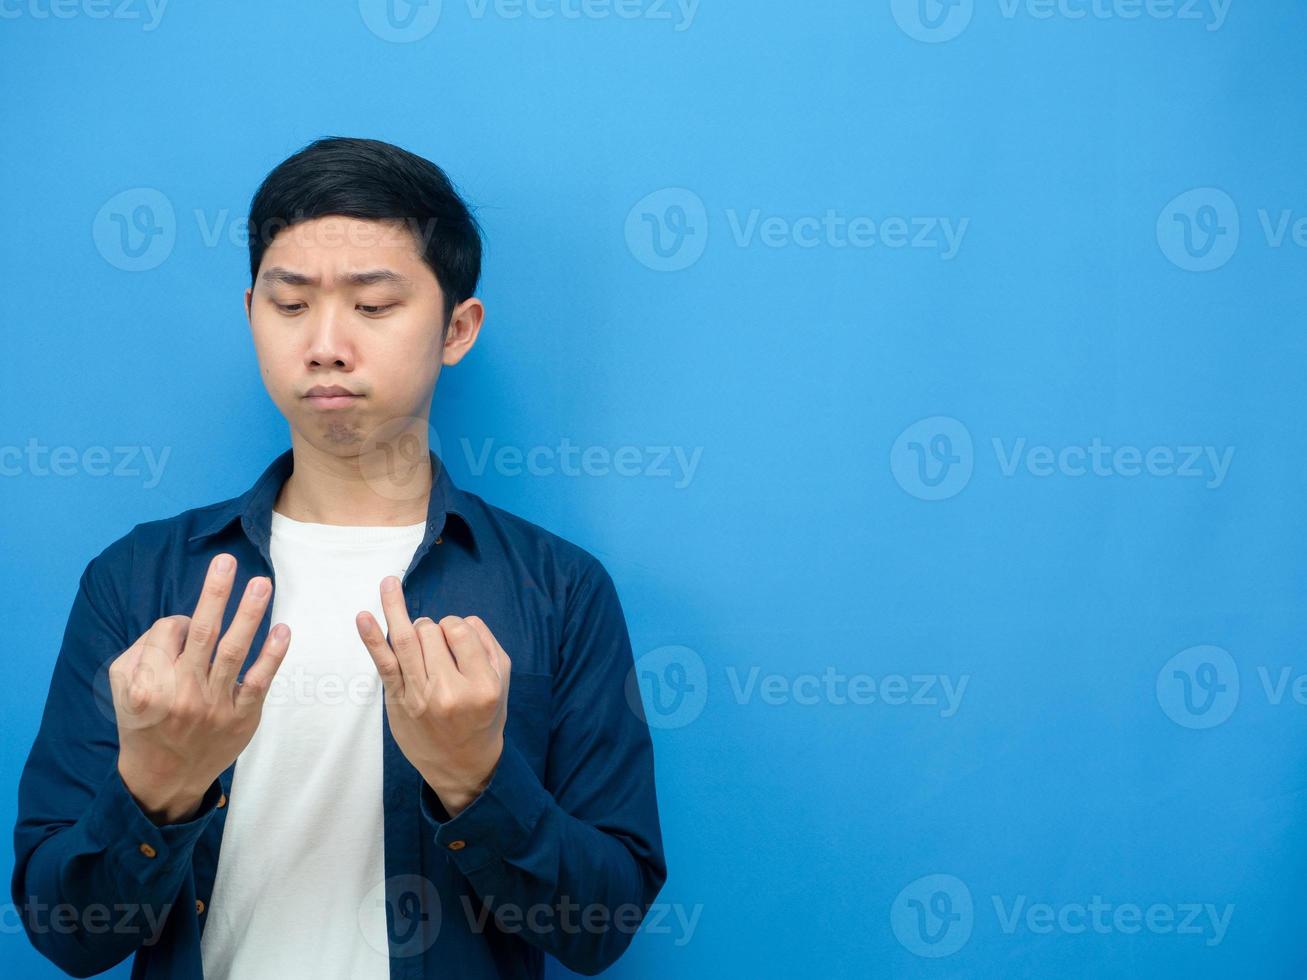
point(329, 344)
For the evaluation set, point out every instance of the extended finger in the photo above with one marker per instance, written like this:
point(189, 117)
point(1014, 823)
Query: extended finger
point(206, 621)
point(235, 644)
point(392, 677)
point(252, 691)
point(403, 638)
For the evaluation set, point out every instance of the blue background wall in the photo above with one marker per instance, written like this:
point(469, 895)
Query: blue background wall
point(917, 627)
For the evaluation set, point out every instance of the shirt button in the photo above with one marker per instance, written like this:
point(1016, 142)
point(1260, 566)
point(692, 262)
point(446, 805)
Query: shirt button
point(147, 850)
point(438, 540)
point(199, 907)
point(222, 801)
point(457, 845)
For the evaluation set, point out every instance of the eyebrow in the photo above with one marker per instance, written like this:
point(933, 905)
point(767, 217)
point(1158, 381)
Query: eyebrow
point(367, 277)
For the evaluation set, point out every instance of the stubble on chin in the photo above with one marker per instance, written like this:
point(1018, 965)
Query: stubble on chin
point(343, 433)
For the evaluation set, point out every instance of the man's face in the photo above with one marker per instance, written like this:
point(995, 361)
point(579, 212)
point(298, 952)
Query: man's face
point(346, 303)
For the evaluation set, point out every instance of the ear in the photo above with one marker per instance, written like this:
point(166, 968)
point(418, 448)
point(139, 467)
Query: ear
point(249, 296)
point(464, 326)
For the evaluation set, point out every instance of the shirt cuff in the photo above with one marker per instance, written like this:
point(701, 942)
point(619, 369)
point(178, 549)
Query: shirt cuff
point(116, 822)
point(497, 823)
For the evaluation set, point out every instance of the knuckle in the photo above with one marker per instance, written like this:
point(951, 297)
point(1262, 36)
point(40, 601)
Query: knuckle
point(172, 630)
point(229, 651)
point(201, 631)
point(213, 590)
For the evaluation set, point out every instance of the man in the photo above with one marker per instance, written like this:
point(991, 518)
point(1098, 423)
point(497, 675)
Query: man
point(429, 766)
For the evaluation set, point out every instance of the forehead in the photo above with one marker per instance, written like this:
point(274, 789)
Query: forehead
point(333, 246)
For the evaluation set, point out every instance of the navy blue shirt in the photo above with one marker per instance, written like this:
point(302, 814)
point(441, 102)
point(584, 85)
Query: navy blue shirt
point(563, 847)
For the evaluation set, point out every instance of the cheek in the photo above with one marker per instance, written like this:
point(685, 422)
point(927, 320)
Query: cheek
point(276, 365)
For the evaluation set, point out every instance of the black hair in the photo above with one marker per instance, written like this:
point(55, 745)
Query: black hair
point(369, 179)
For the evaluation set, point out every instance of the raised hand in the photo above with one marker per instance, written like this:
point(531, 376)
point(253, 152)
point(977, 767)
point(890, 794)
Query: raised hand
point(182, 717)
point(446, 691)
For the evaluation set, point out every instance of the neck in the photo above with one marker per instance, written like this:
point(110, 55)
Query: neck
point(387, 486)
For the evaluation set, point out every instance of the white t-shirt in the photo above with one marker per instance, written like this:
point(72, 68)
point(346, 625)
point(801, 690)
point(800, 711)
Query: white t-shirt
point(301, 870)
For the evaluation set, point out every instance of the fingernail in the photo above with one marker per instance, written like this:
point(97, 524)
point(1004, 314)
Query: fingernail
point(223, 563)
point(389, 584)
point(259, 588)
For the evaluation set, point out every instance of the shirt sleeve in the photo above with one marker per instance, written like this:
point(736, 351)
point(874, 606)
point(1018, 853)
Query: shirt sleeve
point(586, 843)
point(84, 849)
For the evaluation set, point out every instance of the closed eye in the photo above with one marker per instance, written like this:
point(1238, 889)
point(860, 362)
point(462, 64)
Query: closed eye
point(366, 308)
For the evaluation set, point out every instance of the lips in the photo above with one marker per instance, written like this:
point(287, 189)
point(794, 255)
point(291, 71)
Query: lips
point(331, 396)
